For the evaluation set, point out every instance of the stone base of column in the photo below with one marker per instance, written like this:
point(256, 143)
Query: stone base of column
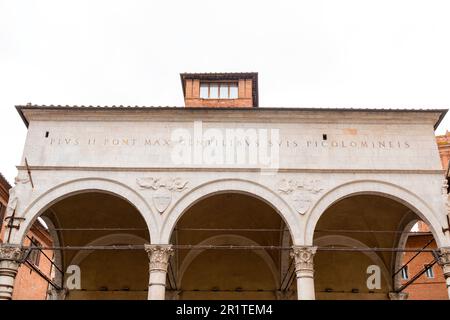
point(285, 295)
point(8, 272)
point(446, 270)
point(172, 294)
point(55, 294)
point(444, 262)
point(398, 295)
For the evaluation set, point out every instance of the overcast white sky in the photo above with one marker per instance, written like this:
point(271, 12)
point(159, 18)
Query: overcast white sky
point(321, 53)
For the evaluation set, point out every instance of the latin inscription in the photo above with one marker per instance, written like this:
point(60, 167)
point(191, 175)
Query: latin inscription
point(282, 143)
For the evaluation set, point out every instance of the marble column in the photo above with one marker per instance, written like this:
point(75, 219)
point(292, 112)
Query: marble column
point(10, 259)
point(304, 269)
point(159, 260)
point(444, 262)
point(398, 295)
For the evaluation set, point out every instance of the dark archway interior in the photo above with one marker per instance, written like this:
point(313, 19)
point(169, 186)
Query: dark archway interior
point(101, 219)
point(230, 219)
point(370, 221)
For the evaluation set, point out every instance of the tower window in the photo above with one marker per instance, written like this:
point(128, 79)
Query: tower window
point(218, 90)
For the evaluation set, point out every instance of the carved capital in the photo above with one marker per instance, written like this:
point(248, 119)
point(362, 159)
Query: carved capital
point(444, 260)
point(11, 253)
point(303, 258)
point(159, 256)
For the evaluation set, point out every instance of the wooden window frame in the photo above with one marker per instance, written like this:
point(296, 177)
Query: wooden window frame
point(34, 256)
point(228, 84)
point(405, 271)
point(430, 270)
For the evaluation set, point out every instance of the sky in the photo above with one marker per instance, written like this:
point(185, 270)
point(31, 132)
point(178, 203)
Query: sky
point(321, 53)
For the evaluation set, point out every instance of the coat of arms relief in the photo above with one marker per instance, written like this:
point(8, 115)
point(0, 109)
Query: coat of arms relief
point(301, 193)
point(163, 190)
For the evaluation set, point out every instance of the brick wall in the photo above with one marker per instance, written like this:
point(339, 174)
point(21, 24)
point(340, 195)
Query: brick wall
point(443, 143)
point(29, 285)
point(4, 196)
point(424, 288)
point(192, 96)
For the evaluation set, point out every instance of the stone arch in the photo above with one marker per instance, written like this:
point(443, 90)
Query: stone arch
point(107, 240)
point(398, 261)
point(374, 187)
point(73, 187)
point(58, 277)
point(228, 239)
point(350, 242)
point(246, 187)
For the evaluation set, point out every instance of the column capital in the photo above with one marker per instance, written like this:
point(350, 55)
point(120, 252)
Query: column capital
point(159, 255)
point(398, 295)
point(11, 252)
point(303, 257)
point(444, 260)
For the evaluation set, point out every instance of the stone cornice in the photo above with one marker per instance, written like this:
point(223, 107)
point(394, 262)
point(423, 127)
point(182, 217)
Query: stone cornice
point(223, 169)
point(249, 115)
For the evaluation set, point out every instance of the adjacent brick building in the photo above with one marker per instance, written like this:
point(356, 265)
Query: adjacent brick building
point(4, 196)
point(443, 143)
point(30, 283)
point(431, 284)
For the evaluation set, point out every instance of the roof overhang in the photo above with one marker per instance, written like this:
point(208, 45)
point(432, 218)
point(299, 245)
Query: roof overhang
point(22, 110)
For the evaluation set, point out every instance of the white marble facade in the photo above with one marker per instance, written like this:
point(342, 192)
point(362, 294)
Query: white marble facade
point(324, 156)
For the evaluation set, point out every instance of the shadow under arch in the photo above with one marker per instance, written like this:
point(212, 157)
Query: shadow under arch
point(107, 240)
point(227, 239)
point(85, 185)
point(350, 242)
point(379, 188)
point(246, 187)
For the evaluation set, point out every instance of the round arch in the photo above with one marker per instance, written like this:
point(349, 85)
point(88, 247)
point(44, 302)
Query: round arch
point(374, 187)
point(350, 242)
point(398, 260)
point(236, 186)
point(107, 240)
point(73, 187)
point(227, 239)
